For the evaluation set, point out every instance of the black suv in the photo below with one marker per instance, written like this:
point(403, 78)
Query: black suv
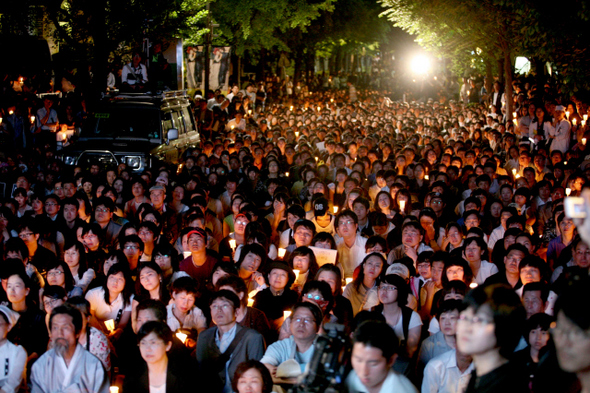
point(137, 130)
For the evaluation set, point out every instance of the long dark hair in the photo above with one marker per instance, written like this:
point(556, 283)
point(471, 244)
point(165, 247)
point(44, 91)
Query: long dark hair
point(361, 276)
point(304, 251)
point(82, 264)
point(140, 292)
point(127, 289)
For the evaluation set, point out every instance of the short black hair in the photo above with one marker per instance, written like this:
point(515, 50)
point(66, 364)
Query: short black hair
point(156, 306)
point(377, 335)
point(539, 320)
point(70, 310)
point(227, 295)
point(160, 329)
point(507, 311)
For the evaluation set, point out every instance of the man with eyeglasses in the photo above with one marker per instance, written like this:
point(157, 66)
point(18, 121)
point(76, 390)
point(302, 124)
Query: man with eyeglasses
point(220, 349)
point(39, 256)
point(511, 274)
point(349, 243)
point(305, 325)
point(52, 206)
point(132, 247)
point(103, 212)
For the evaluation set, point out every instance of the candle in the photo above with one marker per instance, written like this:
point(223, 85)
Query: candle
point(319, 108)
point(331, 100)
point(286, 314)
point(574, 121)
point(335, 208)
point(282, 252)
point(402, 205)
point(114, 389)
point(291, 108)
point(348, 281)
point(287, 174)
point(583, 122)
point(250, 302)
point(249, 111)
point(585, 117)
point(567, 114)
point(297, 134)
point(513, 171)
point(252, 293)
point(296, 271)
point(0, 120)
point(583, 139)
point(568, 191)
point(565, 163)
point(517, 175)
point(32, 119)
point(109, 324)
point(514, 115)
point(426, 177)
point(473, 285)
point(181, 336)
point(232, 126)
point(232, 244)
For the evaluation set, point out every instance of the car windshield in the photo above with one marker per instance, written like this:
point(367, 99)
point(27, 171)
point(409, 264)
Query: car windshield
point(128, 122)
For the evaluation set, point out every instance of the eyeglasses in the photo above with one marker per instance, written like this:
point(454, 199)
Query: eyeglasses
point(306, 321)
point(223, 307)
point(51, 204)
point(160, 256)
point(474, 320)
point(54, 273)
point(131, 247)
point(50, 302)
point(346, 223)
point(102, 210)
point(582, 253)
point(25, 235)
point(387, 288)
point(314, 297)
point(145, 233)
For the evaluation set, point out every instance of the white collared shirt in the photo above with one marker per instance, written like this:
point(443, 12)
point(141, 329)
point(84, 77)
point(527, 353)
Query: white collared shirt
point(442, 375)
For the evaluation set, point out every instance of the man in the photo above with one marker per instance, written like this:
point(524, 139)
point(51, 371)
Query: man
point(132, 247)
point(170, 219)
point(71, 221)
point(534, 298)
point(52, 206)
point(67, 367)
point(361, 207)
point(511, 274)
point(350, 244)
point(373, 353)
point(303, 233)
point(560, 131)
point(39, 256)
point(103, 213)
point(199, 265)
point(412, 245)
point(220, 349)
point(447, 373)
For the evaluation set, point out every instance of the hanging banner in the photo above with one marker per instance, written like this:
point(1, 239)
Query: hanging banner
point(219, 61)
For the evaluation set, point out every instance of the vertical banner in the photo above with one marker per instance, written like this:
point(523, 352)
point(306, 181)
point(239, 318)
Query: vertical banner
point(218, 67)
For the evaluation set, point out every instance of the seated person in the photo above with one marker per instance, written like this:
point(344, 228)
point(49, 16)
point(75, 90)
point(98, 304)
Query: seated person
point(182, 312)
point(444, 340)
point(14, 357)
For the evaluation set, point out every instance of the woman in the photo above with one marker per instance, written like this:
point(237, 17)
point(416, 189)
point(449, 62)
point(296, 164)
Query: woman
point(474, 250)
point(155, 340)
point(384, 204)
point(567, 231)
point(273, 169)
point(148, 286)
point(229, 221)
point(13, 357)
point(30, 330)
point(75, 258)
point(138, 189)
point(278, 217)
point(178, 200)
point(166, 256)
point(58, 273)
point(114, 257)
point(119, 186)
point(393, 294)
point(362, 291)
point(536, 335)
point(252, 377)
point(7, 220)
point(250, 265)
point(453, 238)
point(37, 204)
point(342, 308)
point(93, 239)
point(303, 260)
point(20, 195)
point(456, 269)
point(433, 233)
point(112, 301)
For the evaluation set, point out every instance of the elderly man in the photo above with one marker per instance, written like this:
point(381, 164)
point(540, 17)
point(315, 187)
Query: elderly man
point(170, 219)
point(67, 367)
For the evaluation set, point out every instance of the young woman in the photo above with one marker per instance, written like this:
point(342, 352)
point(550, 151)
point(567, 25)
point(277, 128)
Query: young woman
point(278, 217)
point(342, 308)
point(138, 189)
point(21, 197)
point(155, 340)
point(149, 285)
point(475, 249)
point(303, 259)
point(384, 204)
point(252, 377)
point(453, 238)
point(112, 301)
point(58, 273)
point(362, 291)
point(75, 258)
point(393, 294)
point(250, 265)
point(229, 221)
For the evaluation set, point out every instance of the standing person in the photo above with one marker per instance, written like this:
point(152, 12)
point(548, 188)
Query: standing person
point(67, 367)
point(489, 328)
point(560, 131)
point(134, 75)
point(374, 351)
point(220, 349)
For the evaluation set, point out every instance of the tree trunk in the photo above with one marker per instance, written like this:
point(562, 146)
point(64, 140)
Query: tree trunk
point(261, 65)
point(508, 89)
point(489, 76)
point(500, 65)
point(239, 72)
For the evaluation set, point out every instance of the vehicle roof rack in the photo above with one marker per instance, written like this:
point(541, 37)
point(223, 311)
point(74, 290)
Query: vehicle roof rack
point(147, 96)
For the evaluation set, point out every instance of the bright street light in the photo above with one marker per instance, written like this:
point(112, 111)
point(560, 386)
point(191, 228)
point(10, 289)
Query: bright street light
point(420, 65)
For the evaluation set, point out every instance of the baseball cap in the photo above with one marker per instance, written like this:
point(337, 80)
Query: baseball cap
point(320, 206)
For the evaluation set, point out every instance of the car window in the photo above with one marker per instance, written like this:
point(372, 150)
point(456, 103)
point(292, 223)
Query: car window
point(118, 122)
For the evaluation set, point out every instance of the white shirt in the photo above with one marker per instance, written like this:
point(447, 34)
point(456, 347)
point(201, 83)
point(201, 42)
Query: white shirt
point(393, 383)
point(194, 319)
point(13, 359)
point(497, 234)
point(442, 375)
point(350, 258)
point(284, 350)
point(486, 269)
point(101, 309)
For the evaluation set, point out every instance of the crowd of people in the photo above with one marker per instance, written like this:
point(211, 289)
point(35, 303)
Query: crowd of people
point(434, 232)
